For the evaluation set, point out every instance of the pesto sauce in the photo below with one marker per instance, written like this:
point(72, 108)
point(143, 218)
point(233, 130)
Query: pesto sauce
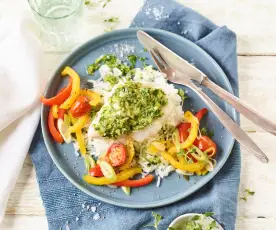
point(131, 108)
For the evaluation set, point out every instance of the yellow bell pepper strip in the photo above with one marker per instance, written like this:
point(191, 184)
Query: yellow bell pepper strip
point(95, 98)
point(73, 120)
point(75, 87)
point(124, 175)
point(193, 132)
point(194, 167)
point(182, 160)
point(79, 124)
point(80, 140)
point(131, 153)
point(55, 111)
point(172, 151)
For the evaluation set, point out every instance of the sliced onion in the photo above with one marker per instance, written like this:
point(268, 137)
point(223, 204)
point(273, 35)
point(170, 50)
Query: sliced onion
point(176, 140)
point(209, 150)
point(108, 171)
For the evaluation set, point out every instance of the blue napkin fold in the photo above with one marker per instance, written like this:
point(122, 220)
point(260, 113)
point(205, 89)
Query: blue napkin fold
point(69, 208)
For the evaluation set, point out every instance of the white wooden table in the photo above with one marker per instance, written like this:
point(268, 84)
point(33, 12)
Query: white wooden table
point(254, 23)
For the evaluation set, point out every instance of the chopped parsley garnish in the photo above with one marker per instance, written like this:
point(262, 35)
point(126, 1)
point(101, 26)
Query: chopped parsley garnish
point(112, 20)
point(145, 50)
point(205, 132)
point(181, 93)
point(157, 219)
point(110, 60)
point(130, 108)
point(112, 80)
point(132, 59)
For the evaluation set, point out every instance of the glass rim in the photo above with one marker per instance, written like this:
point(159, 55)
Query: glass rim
point(60, 17)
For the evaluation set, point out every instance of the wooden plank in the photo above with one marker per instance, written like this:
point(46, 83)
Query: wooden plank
point(257, 78)
point(252, 21)
point(12, 222)
point(256, 224)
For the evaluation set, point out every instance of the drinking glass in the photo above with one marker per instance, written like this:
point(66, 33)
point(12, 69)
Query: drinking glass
point(60, 21)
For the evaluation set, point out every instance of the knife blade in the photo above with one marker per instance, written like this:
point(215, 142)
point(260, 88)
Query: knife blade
point(179, 65)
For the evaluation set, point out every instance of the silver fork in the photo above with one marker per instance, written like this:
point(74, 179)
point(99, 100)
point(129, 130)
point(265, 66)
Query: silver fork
point(227, 122)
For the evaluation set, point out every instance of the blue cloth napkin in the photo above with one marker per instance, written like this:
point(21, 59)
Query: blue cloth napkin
point(68, 208)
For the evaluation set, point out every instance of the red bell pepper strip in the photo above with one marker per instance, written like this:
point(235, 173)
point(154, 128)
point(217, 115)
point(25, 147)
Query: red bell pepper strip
point(184, 127)
point(52, 128)
point(61, 113)
point(204, 143)
point(96, 171)
point(201, 113)
point(61, 96)
point(136, 183)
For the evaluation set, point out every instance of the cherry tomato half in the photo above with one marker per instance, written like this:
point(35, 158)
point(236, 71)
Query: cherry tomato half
point(204, 143)
point(116, 154)
point(80, 107)
point(96, 171)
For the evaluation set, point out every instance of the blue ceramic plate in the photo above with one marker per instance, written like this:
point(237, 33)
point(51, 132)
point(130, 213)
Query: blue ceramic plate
point(122, 43)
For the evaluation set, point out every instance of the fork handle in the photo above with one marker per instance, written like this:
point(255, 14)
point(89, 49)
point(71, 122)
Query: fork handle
point(230, 125)
point(241, 107)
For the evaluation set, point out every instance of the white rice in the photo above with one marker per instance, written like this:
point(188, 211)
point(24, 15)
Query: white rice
point(172, 114)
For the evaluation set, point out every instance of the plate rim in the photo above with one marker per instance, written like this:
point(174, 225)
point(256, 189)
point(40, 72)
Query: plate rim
point(152, 204)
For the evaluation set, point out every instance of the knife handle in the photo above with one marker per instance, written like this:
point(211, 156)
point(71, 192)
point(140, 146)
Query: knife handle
point(230, 125)
point(243, 108)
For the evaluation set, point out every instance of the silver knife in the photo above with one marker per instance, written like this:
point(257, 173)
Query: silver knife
point(158, 52)
point(183, 67)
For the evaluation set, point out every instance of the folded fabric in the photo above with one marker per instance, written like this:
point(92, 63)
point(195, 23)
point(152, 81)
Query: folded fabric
point(69, 208)
point(20, 88)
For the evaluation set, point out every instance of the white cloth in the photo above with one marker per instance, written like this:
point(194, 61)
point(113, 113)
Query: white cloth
point(20, 87)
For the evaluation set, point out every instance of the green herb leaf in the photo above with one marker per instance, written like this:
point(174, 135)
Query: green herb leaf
point(145, 49)
point(181, 152)
point(112, 20)
point(105, 2)
point(243, 198)
point(196, 217)
point(181, 93)
point(212, 225)
point(205, 132)
point(208, 214)
point(157, 219)
point(87, 2)
point(249, 192)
